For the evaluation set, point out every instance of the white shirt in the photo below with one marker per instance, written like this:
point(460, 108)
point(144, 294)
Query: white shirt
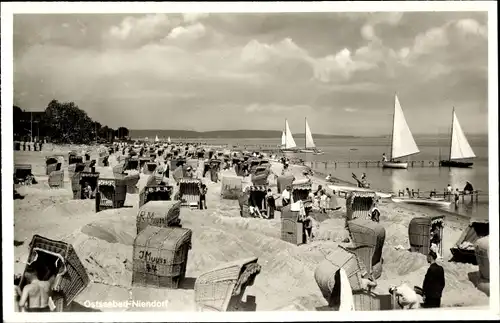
point(285, 194)
point(328, 178)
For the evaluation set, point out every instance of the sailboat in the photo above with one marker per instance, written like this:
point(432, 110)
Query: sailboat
point(156, 139)
point(168, 140)
point(290, 145)
point(310, 146)
point(283, 140)
point(459, 146)
point(402, 142)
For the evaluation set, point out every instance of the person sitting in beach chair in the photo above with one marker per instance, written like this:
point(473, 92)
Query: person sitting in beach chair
point(35, 296)
point(87, 191)
point(286, 195)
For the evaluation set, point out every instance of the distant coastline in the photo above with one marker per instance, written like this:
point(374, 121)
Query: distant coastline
point(257, 134)
point(223, 134)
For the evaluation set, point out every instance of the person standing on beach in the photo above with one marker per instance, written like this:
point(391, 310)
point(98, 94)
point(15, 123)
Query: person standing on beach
point(457, 196)
point(434, 282)
point(449, 190)
point(35, 296)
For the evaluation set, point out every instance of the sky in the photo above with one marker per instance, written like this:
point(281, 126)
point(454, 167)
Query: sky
point(220, 71)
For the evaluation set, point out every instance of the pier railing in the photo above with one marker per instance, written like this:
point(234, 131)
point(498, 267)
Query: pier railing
point(368, 163)
point(417, 193)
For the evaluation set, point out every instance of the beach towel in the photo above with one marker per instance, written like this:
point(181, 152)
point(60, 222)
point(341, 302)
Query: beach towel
point(346, 298)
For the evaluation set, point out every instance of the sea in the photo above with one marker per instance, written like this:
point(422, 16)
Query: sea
point(425, 179)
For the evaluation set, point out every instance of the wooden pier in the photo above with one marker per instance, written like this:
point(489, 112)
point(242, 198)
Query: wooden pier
point(473, 196)
point(368, 163)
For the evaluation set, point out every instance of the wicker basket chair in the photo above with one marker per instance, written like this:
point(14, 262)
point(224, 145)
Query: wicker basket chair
point(327, 269)
point(155, 193)
point(359, 204)
point(51, 163)
point(56, 177)
point(132, 163)
point(160, 257)
point(419, 233)
point(189, 191)
point(158, 213)
point(300, 192)
point(103, 161)
point(131, 183)
point(222, 288)
point(78, 181)
point(149, 168)
point(257, 197)
point(51, 257)
point(370, 300)
point(463, 250)
point(292, 227)
point(482, 251)
point(284, 181)
point(243, 201)
point(368, 238)
point(231, 187)
point(143, 161)
point(111, 194)
point(73, 158)
point(22, 174)
point(260, 176)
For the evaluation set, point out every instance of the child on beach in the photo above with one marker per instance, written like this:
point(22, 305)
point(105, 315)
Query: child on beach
point(87, 191)
point(35, 296)
point(457, 196)
point(308, 224)
point(322, 201)
point(203, 196)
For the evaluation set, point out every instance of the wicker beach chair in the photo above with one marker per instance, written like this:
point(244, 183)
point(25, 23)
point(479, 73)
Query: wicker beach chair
point(103, 161)
point(260, 176)
point(300, 192)
point(158, 213)
point(292, 227)
point(132, 163)
point(78, 183)
point(257, 197)
point(482, 248)
point(89, 166)
point(51, 164)
point(143, 161)
point(222, 288)
point(51, 257)
point(189, 191)
point(368, 240)
point(327, 269)
point(160, 257)
point(73, 158)
point(231, 187)
point(372, 300)
point(463, 250)
point(22, 174)
point(149, 168)
point(56, 177)
point(419, 233)
point(155, 193)
point(359, 204)
point(284, 181)
point(111, 194)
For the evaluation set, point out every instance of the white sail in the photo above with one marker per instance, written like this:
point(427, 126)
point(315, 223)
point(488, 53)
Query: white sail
point(168, 139)
point(283, 138)
point(156, 139)
point(403, 143)
point(309, 137)
point(460, 147)
point(289, 141)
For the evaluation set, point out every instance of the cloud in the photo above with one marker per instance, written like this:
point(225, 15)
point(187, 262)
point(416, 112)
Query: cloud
point(234, 71)
point(472, 27)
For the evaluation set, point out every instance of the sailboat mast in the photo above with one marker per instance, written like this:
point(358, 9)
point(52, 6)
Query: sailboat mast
point(305, 133)
point(392, 131)
point(451, 133)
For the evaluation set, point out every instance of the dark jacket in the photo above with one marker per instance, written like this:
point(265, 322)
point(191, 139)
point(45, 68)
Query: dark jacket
point(434, 281)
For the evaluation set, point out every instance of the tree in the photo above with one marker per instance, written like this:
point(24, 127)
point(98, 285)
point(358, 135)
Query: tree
point(122, 132)
point(68, 124)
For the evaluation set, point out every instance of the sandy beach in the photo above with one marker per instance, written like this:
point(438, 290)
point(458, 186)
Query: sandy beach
point(104, 240)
